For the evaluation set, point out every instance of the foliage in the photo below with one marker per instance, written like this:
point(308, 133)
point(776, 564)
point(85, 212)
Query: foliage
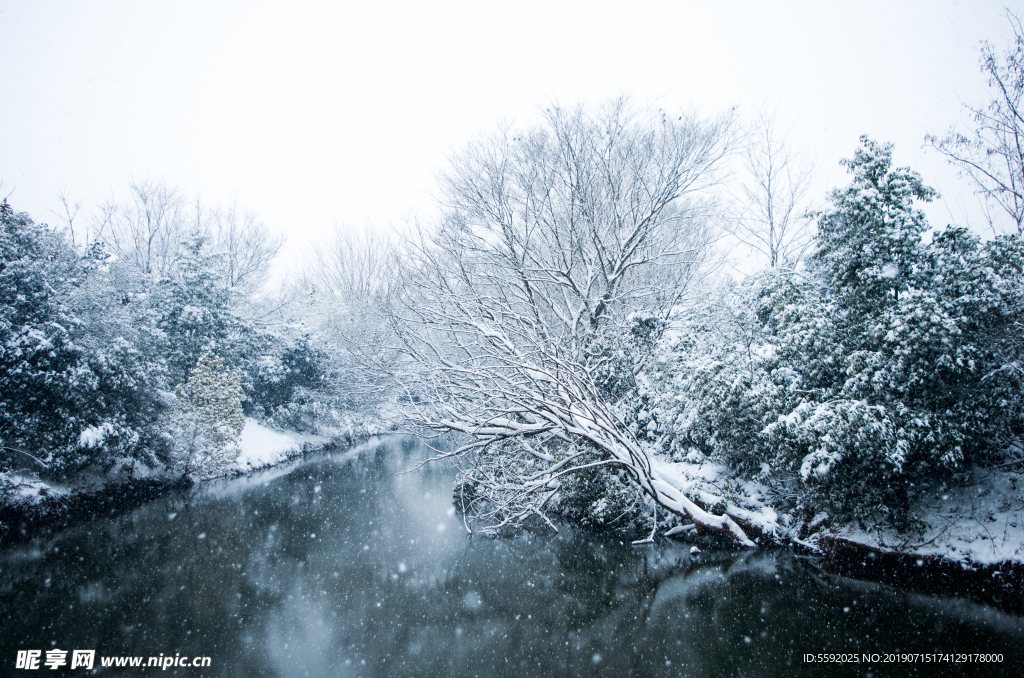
point(309, 411)
point(492, 487)
point(284, 369)
point(210, 417)
point(616, 357)
point(92, 345)
point(868, 243)
point(42, 371)
point(195, 310)
point(603, 498)
point(889, 359)
point(63, 392)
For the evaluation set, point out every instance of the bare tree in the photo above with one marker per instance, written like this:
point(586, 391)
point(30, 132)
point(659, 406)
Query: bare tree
point(150, 229)
point(246, 243)
point(147, 230)
point(553, 235)
point(354, 264)
point(991, 154)
point(770, 215)
point(71, 208)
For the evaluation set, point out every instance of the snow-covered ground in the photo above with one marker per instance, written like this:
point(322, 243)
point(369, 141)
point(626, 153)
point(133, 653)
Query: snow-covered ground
point(259, 447)
point(262, 447)
point(978, 521)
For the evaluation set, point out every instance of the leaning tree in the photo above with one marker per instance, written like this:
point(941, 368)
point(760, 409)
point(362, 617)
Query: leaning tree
point(555, 239)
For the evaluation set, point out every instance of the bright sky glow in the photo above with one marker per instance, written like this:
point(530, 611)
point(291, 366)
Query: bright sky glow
point(316, 113)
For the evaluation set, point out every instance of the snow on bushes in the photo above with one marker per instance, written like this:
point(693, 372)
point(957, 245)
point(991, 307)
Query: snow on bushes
point(888, 360)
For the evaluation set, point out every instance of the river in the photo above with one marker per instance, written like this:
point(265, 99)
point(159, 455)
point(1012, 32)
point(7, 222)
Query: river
point(354, 563)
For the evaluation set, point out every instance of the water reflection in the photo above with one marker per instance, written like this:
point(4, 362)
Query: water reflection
point(346, 566)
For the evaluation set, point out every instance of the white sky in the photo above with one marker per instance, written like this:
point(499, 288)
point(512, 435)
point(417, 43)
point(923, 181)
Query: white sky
point(316, 113)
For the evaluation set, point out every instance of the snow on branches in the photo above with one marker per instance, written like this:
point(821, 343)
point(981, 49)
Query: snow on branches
point(554, 238)
point(209, 420)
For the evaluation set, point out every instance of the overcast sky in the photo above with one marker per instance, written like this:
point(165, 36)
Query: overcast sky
point(317, 113)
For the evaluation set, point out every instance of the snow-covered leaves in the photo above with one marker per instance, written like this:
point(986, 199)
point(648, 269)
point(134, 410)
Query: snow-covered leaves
point(47, 385)
point(210, 419)
point(91, 348)
point(891, 357)
point(867, 242)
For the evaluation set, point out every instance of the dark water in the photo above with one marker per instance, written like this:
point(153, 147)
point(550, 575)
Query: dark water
point(343, 566)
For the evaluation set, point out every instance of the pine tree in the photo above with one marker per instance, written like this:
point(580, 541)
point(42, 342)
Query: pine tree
point(210, 419)
point(868, 242)
point(196, 310)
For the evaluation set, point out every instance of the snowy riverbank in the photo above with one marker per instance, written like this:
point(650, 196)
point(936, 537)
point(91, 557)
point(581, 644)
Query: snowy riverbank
point(973, 518)
point(966, 536)
point(977, 521)
point(262, 446)
point(30, 504)
point(259, 447)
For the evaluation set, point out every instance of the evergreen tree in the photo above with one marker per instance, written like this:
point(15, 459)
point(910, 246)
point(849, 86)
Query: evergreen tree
point(897, 344)
point(76, 388)
point(210, 418)
point(41, 368)
point(196, 310)
point(889, 360)
point(868, 242)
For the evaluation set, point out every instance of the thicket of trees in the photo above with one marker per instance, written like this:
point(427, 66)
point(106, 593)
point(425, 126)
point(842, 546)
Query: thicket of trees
point(560, 317)
point(889, 359)
point(891, 356)
point(554, 322)
point(119, 352)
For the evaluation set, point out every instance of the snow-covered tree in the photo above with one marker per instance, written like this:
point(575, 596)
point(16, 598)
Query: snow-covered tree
point(78, 382)
point(554, 235)
point(92, 344)
point(345, 293)
point(245, 246)
point(210, 418)
point(152, 229)
point(196, 309)
point(716, 381)
point(889, 359)
point(868, 242)
point(41, 368)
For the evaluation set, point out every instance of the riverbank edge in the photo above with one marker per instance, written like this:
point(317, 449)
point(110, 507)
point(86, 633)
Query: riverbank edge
point(23, 522)
point(999, 584)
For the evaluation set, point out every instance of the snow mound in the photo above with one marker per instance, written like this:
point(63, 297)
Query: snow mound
point(261, 446)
